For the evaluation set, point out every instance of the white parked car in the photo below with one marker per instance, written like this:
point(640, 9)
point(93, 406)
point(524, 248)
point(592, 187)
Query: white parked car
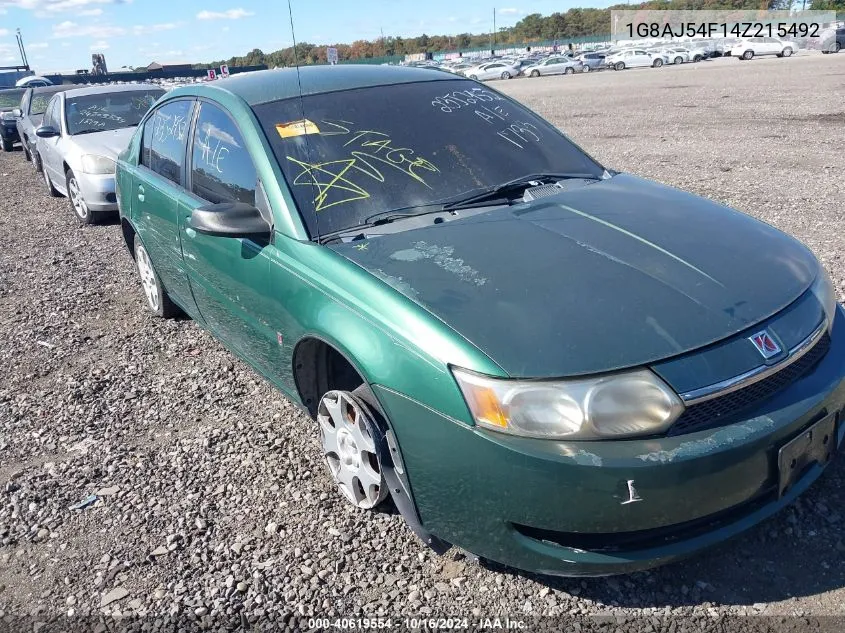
point(633, 58)
point(756, 46)
point(678, 55)
point(558, 65)
point(491, 70)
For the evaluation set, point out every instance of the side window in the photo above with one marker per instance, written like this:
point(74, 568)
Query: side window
point(163, 142)
point(50, 114)
point(25, 103)
point(221, 167)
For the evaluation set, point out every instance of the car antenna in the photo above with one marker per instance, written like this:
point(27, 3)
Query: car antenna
point(304, 118)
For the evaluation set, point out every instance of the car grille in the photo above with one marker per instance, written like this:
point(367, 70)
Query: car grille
point(723, 410)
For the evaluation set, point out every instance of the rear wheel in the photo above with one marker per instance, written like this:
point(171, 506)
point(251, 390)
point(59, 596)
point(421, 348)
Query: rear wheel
point(349, 448)
point(535, 73)
point(569, 70)
point(748, 55)
point(585, 69)
point(474, 77)
point(157, 299)
point(657, 63)
point(506, 75)
point(787, 52)
point(619, 66)
point(837, 47)
point(679, 60)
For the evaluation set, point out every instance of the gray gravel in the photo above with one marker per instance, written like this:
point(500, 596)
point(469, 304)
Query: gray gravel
point(211, 497)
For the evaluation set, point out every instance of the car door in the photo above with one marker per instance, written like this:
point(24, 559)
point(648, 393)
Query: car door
point(554, 66)
point(49, 147)
point(229, 276)
point(156, 186)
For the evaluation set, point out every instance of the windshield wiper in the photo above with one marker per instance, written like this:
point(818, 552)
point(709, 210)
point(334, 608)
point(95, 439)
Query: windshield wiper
point(86, 132)
point(521, 183)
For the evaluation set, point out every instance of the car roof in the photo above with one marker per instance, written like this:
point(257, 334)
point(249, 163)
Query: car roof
point(265, 86)
point(49, 89)
point(110, 88)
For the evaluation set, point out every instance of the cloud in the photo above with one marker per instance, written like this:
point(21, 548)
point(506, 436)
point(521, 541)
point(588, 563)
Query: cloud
point(72, 29)
point(91, 13)
point(231, 14)
point(141, 29)
point(38, 45)
point(99, 46)
point(4, 32)
point(51, 7)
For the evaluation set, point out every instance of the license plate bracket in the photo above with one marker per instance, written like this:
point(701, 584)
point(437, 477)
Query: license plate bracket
point(814, 446)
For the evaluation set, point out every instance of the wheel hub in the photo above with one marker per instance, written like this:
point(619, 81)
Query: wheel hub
point(350, 450)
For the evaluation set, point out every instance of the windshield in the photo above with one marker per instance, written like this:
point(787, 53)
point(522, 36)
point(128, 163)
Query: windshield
point(108, 110)
point(11, 99)
point(373, 150)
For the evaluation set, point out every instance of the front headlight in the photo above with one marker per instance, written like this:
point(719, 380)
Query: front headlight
point(614, 406)
point(94, 164)
point(826, 294)
point(8, 116)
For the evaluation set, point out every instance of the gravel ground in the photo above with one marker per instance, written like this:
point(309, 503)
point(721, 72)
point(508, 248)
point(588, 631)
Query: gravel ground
point(211, 494)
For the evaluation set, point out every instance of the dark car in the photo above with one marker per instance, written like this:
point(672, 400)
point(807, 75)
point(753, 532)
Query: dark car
point(545, 362)
point(10, 102)
point(33, 105)
point(834, 42)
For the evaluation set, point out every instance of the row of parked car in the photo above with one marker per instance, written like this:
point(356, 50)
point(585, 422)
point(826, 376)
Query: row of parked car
point(632, 55)
point(73, 135)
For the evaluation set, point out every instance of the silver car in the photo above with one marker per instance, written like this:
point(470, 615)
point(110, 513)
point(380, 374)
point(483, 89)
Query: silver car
point(33, 106)
point(557, 65)
point(80, 136)
point(491, 70)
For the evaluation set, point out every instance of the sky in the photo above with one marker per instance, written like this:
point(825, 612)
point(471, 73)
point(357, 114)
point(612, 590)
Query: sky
point(60, 35)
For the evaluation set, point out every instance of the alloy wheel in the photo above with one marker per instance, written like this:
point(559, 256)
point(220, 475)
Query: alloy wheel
point(75, 194)
point(350, 450)
point(148, 277)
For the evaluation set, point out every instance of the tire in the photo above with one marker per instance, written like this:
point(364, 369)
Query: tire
point(837, 47)
point(697, 58)
point(6, 145)
point(585, 69)
point(569, 71)
point(345, 420)
point(657, 63)
point(506, 75)
point(157, 300)
point(787, 52)
point(535, 73)
point(679, 60)
point(619, 66)
point(26, 153)
point(474, 77)
point(54, 193)
point(77, 202)
point(748, 54)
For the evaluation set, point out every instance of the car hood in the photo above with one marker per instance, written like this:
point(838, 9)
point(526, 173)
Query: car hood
point(108, 143)
point(615, 274)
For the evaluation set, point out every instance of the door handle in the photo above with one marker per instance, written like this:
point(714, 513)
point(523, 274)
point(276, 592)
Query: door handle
point(141, 193)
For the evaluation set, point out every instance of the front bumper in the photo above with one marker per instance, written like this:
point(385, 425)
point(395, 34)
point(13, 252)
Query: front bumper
point(598, 508)
point(98, 191)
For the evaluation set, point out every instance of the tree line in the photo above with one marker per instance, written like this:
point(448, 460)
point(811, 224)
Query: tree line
point(574, 23)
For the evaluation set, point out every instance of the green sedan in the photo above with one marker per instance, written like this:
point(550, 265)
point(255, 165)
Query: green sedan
point(545, 362)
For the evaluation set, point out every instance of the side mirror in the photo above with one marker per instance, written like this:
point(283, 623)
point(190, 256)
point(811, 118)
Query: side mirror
point(46, 131)
point(230, 219)
point(17, 112)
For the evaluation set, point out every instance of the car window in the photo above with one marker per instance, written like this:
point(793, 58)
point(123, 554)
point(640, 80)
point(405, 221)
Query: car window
point(221, 167)
point(104, 111)
point(25, 102)
point(50, 114)
point(11, 98)
point(164, 139)
point(397, 146)
point(39, 102)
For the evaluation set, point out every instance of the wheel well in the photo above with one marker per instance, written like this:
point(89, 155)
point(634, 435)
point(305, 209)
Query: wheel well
point(128, 235)
point(317, 368)
point(65, 168)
